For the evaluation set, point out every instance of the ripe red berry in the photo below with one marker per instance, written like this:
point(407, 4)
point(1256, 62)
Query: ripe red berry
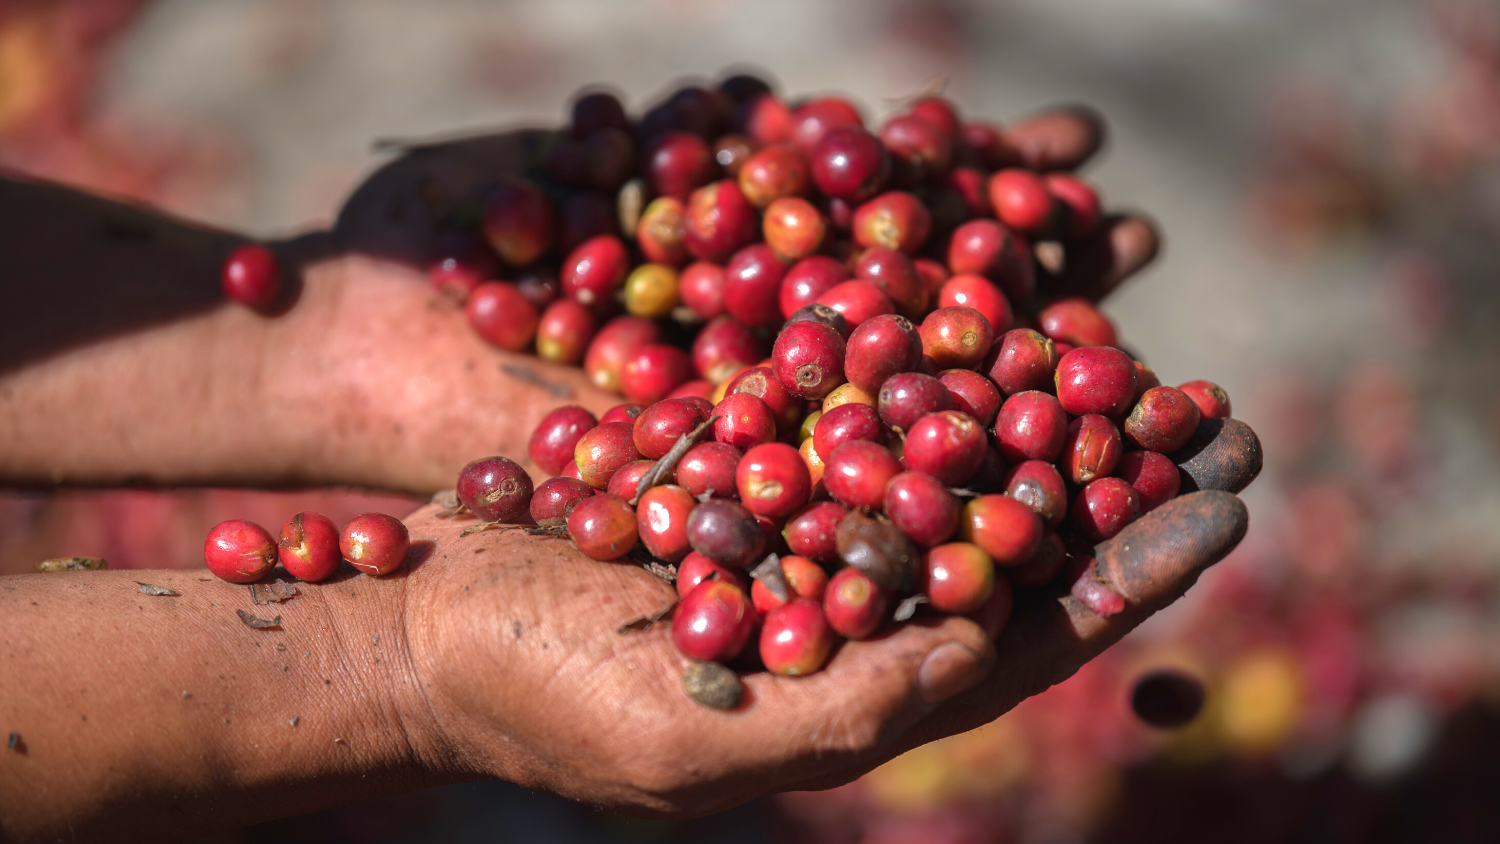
point(971, 186)
point(1022, 202)
point(940, 113)
point(761, 382)
point(696, 568)
point(627, 482)
point(677, 163)
point(460, 261)
point(921, 152)
point(713, 622)
point(604, 450)
point(1023, 360)
point(709, 468)
point(808, 279)
point(501, 316)
point(795, 639)
point(659, 426)
point(1092, 449)
point(856, 473)
point(984, 247)
point(1164, 420)
point(894, 220)
point(857, 301)
point(554, 498)
point(724, 347)
point(660, 232)
point(252, 276)
point(719, 221)
point(622, 413)
point(564, 331)
point(880, 347)
point(933, 276)
point(661, 521)
point(1077, 322)
point(1030, 426)
point(603, 526)
point(979, 293)
point(959, 578)
point(375, 543)
point(752, 286)
point(1038, 485)
point(773, 172)
point(239, 551)
point(1009, 531)
point(727, 533)
point(654, 371)
point(793, 228)
point(854, 606)
point(308, 547)
point(896, 276)
point(973, 394)
point(804, 578)
point(597, 111)
point(823, 315)
point(813, 120)
point(594, 270)
point(1154, 477)
point(808, 359)
point(948, 445)
point(994, 149)
point(743, 420)
point(701, 287)
point(811, 532)
point(1042, 568)
point(921, 506)
point(1104, 507)
point(847, 422)
point(496, 489)
point(956, 337)
point(772, 480)
point(552, 443)
point(1079, 204)
point(850, 164)
point(1212, 401)
point(1095, 379)
point(519, 222)
point(993, 616)
point(908, 396)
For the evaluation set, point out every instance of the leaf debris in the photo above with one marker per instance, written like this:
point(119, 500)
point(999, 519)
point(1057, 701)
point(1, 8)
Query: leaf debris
point(162, 591)
point(646, 622)
point(275, 592)
point(258, 623)
point(771, 576)
point(73, 564)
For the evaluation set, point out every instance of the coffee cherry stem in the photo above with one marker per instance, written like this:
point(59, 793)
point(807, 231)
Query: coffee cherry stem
point(664, 467)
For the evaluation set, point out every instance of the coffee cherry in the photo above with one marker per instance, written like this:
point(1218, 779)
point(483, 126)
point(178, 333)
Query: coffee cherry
point(811, 532)
point(854, 606)
point(850, 164)
point(871, 543)
point(752, 286)
point(627, 481)
point(1078, 322)
point(1091, 450)
point(994, 149)
point(308, 547)
point(1009, 531)
point(973, 394)
point(554, 499)
point(920, 151)
point(808, 359)
point(896, 276)
point(713, 622)
point(1163, 421)
point(659, 426)
point(857, 472)
point(979, 293)
point(519, 222)
point(608, 159)
point(1022, 202)
point(653, 371)
point(822, 315)
point(880, 347)
point(958, 578)
point(1025, 360)
point(252, 276)
point(971, 186)
point(1078, 204)
point(908, 396)
point(984, 247)
point(1153, 476)
point(795, 639)
point(921, 506)
point(857, 301)
point(594, 270)
point(744, 421)
point(375, 543)
point(814, 119)
point(727, 533)
point(773, 172)
point(1038, 485)
point(894, 220)
point(940, 113)
point(761, 382)
point(1095, 379)
point(847, 394)
point(719, 221)
point(702, 289)
point(1103, 508)
point(604, 450)
point(460, 261)
point(496, 489)
point(239, 551)
point(677, 163)
point(564, 331)
point(661, 520)
point(808, 279)
point(622, 413)
point(793, 228)
point(956, 337)
point(696, 568)
point(501, 316)
point(772, 480)
point(584, 215)
point(804, 579)
point(651, 290)
point(603, 526)
point(847, 422)
point(933, 276)
point(724, 347)
point(1145, 379)
point(948, 445)
point(1042, 568)
point(552, 443)
point(597, 111)
point(709, 468)
point(1212, 401)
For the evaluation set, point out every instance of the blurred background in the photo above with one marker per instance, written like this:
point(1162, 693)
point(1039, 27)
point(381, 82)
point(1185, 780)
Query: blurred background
point(1326, 176)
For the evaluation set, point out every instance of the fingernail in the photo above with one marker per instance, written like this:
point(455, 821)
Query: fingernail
point(947, 670)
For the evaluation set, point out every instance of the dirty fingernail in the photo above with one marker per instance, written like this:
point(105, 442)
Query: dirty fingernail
point(947, 670)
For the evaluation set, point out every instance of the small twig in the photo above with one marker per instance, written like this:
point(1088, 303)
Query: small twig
point(663, 467)
point(448, 500)
point(258, 623)
point(667, 573)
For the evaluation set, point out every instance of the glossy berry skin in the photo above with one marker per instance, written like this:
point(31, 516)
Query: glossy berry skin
point(603, 526)
point(1077, 322)
point(990, 144)
point(719, 221)
point(724, 347)
point(709, 466)
point(1095, 379)
point(252, 276)
point(958, 578)
point(239, 551)
point(811, 531)
point(850, 164)
point(1212, 400)
point(880, 347)
point(1103, 508)
point(857, 472)
point(752, 286)
point(653, 371)
point(677, 163)
point(701, 287)
point(1009, 531)
point(971, 186)
point(696, 568)
point(814, 119)
point(808, 359)
point(940, 113)
point(795, 639)
point(793, 228)
point(896, 276)
point(773, 172)
point(973, 394)
point(622, 413)
point(554, 499)
point(604, 450)
point(659, 426)
point(460, 261)
point(594, 270)
point(949, 445)
point(743, 421)
point(854, 606)
point(1154, 477)
point(921, 151)
point(857, 301)
point(765, 119)
point(823, 315)
point(894, 220)
point(979, 293)
point(1092, 449)
point(1022, 202)
point(984, 247)
point(1078, 204)
point(1162, 421)
point(661, 520)
point(496, 489)
point(848, 394)
point(727, 533)
point(805, 579)
point(519, 222)
point(375, 543)
point(1038, 485)
point(713, 622)
point(500, 315)
point(908, 396)
point(815, 466)
point(627, 481)
point(921, 506)
point(847, 422)
point(1145, 379)
point(933, 275)
point(808, 279)
point(761, 382)
point(1023, 360)
point(552, 443)
point(308, 547)
point(956, 337)
point(651, 290)
point(993, 616)
point(564, 331)
point(772, 480)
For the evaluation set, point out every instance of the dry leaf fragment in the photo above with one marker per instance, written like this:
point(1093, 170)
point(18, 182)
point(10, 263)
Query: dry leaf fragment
point(771, 576)
point(275, 592)
point(73, 564)
point(156, 590)
point(646, 622)
point(258, 623)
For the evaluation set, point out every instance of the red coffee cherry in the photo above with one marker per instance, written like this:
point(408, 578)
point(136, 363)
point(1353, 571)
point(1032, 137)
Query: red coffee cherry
point(808, 359)
point(1007, 530)
point(709, 468)
point(1030, 426)
point(460, 261)
point(622, 413)
point(812, 531)
point(920, 151)
point(308, 547)
point(1022, 202)
point(808, 279)
point(744, 421)
point(979, 293)
point(696, 568)
point(1092, 449)
point(822, 315)
point(940, 113)
point(958, 578)
point(956, 337)
point(724, 347)
point(501, 316)
point(765, 119)
point(813, 120)
point(659, 426)
point(921, 507)
point(1095, 379)
point(1212, 401)
point(719, 221)
point(604, 450)
point(552, 443)
point(973, 394)
point(1077, 322)
point(772, 480)
point(761, 382)
point(1038, 485)
point(805, 579)
point(564, 331)
point(615, 343)
point(984, 247)
point(793, 228)
point(908, 396)
point(1023, 360)
point(653, 371)
point(1044, 567)
point(948, 445)
point(1153, 476)
point(896, 276)
point(857, 301)
point(727, 533)
point(1164, 420)
point(659, 232)
point(854, 605)
point(554, 498)
point(880, 347)
point(677, 163)
point(857, 472)
point(661, 520)
point(519, 222)
point(795, 639)
point(375, 543)
point(844, 423)
point(701, 286)
point(1079, 204)
point(773, 172)
point(239, 551)
point(252, 276)
point(895, 220)
point(850, 164)
point(627, 482)
point(496, 489)
point(752, 286)
point(1104, 507)
point(603, 526)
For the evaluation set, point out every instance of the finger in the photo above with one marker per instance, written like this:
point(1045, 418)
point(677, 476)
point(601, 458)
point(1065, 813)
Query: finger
point(1094, 268)
point(1223, 454)
point(1150, 564)
point(1061, 138)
